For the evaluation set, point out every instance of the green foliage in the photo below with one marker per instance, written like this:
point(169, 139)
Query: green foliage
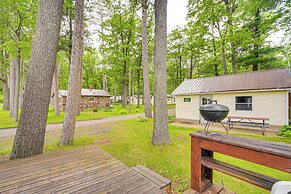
point(285, 131)
point(123, 111)
point(108, 109)
point(92, 74)
point(137, 110)
point(120, 47)
point(235, 30)
point(1, 97)
point(171, 118)
point(142, 119)
point(95, 109)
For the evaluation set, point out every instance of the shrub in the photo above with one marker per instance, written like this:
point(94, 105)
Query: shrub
point(137, 110)
point(95, 110)
point(285, 131)
point(142, 119)
point(122, 112)
point(171, 118)
point(108, 109)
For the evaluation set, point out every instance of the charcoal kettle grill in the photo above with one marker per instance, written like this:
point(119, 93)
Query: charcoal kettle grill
point(214, 113)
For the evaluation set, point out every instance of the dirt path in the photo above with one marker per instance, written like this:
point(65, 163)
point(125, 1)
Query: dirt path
point(81, 125)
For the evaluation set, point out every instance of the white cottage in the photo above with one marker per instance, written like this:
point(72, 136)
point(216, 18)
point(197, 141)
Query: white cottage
point(134, 99)
point(263, 94)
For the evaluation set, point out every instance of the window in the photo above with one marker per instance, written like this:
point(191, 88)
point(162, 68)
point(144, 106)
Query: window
point(243, 103)
point(91, 99)
point(187, 99)
point(206, 101)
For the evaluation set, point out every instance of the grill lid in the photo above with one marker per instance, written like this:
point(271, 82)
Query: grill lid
point(214, 108)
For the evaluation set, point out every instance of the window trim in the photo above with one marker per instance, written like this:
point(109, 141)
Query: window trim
point(91, 100)
point(251, 103)
point(187, 99)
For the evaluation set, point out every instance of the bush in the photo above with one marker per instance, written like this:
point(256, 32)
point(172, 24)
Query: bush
point(171, 118)
point(137, 110)
point(142, 119)
point(285, 131)
point(95, 110)
point(108, 109)
point(122, 112)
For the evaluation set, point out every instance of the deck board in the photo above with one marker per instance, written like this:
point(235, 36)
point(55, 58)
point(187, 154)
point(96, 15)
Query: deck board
point(82, 170)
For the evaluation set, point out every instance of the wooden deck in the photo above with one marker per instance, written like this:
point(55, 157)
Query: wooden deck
point(83, 170)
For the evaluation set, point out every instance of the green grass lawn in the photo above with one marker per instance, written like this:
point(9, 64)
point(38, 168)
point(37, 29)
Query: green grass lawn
point(130, 142)
point(6, 120)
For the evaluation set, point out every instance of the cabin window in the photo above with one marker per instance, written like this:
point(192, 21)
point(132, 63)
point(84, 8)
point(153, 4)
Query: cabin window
point(187, 99)
point(91, 99)
point(243, 103)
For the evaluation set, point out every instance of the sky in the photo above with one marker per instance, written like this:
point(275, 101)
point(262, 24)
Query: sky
point(177, 12)
point(176, 16)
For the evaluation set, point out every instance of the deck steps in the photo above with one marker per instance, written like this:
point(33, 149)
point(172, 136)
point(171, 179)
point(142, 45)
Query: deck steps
point(213, 189)
point(160, 181)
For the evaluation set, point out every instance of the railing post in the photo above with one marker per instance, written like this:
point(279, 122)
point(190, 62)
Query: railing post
point(196, 181)
point(201, 177)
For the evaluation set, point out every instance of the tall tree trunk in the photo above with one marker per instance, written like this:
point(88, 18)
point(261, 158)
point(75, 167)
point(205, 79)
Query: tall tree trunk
point(129, 90)
point(191, 67)
point(16, 88)
point(223, 57)
point(180, 68)
point(80, 89)
point(256, 35)
point(215, 56)
point(22, 84)
point(124, 86)
point(230, 7)
point(146, 79)
point(6, 103)
point(233, 58)
point(104, 78)
point(115, 91)
point(216, 70)
point(12, 85)
point(55, 89)
point(67, 136)
point(160, 131)
point(138, 84)
point(30, 133)
point(257, 56)
point(70, 37)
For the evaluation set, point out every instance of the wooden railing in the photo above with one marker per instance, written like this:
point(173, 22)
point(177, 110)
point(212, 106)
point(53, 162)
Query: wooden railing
point(269, 154)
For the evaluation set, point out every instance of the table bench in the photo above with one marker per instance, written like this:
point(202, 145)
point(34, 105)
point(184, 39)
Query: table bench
point(257, 122)
point(203, 144)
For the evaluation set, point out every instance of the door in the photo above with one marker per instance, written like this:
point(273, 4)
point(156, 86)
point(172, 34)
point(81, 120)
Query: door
point(204, 100)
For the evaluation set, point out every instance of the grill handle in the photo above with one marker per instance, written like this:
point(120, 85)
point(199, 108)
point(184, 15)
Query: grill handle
point(213, 101)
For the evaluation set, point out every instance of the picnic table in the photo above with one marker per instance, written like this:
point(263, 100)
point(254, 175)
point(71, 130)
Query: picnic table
point(254, 121)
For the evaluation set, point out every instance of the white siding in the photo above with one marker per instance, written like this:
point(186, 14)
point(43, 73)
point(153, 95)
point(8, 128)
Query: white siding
point(188, 110)
point(267, 104)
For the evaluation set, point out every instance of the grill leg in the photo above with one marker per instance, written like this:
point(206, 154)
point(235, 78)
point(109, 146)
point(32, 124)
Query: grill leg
point(224, 127)
point(207, 126)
